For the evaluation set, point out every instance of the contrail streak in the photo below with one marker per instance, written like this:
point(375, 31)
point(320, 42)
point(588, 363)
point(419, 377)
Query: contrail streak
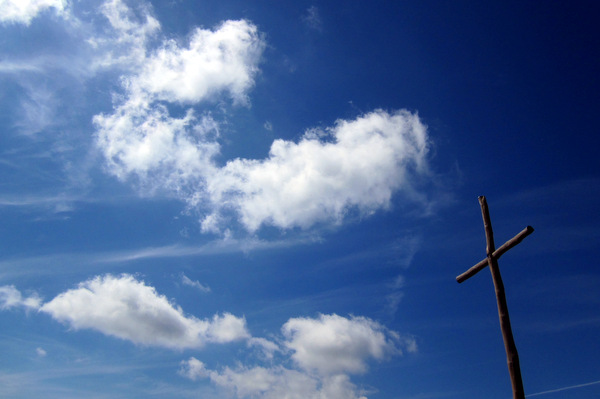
point(563, 389)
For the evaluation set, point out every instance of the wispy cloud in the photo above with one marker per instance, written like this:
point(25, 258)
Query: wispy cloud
point(185, 280)
point(125, 45)
point(584, 189)
point(42, 381)
point(52, 201)
point(563, 389)
point(11, 297)
point(14, 267)
point(14, 67)
point(218, 246)
point(312, 18)
point(37, 111)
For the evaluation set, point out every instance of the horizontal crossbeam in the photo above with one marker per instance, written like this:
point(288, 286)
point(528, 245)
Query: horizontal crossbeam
point(496, 254)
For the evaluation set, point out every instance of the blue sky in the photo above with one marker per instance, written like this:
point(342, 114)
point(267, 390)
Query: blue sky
point(253, 199)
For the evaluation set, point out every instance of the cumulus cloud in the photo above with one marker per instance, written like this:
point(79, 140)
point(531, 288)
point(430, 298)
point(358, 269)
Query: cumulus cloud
point(162, 151)
point(332, 344)
point(355, 164)
point(141, 138)
point(327, 350)
point(11, 297)
point(23, 11)
point(126, 308)
point(215, 61)
point(272, 383)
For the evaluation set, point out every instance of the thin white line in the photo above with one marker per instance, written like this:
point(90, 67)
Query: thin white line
point(563, 389)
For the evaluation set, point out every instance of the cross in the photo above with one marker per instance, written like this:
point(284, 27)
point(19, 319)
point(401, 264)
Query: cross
point(514, 369)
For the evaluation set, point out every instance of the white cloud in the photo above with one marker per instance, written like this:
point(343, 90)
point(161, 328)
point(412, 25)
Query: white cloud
point(118, 40)
point(162, 151)
point(215, 61)
point(122, 19)
point(129, 309)
point(185, 280)
point(273, 382)
point(355, 164)
point(10, 297)
point(141, 138)
point(23, 11)
point(125, 44)
point(326, 350)
point(267, 347)
point(334, 344)
point(40, 352)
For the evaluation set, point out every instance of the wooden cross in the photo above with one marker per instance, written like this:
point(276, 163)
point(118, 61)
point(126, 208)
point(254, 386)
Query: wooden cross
point(491, 260)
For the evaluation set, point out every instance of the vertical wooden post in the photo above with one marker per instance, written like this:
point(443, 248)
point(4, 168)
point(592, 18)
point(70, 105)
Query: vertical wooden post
point(491, 260)
point(512, 356)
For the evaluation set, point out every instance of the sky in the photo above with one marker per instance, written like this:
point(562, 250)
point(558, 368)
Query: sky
point(259, 199)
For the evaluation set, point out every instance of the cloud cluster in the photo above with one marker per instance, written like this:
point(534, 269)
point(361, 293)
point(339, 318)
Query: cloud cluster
point(162, 136)
point(23, 11)
point(141, 138)
point(326, 351)
point(125, 308)
point(355, 165)
point(314, 358)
